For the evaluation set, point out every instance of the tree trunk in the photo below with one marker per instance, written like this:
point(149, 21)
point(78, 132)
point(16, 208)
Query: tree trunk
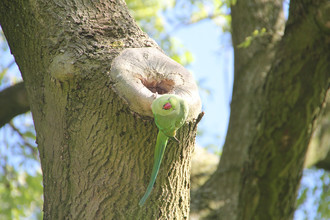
point(279, 87)
point(96, 154)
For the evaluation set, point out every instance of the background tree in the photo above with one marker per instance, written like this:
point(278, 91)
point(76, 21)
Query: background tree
point(254, 44)
point(281, 82)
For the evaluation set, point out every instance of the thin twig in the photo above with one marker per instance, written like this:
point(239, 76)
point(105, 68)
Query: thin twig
point(33, 149)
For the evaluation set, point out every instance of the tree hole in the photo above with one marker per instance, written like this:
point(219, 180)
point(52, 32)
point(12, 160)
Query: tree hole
point(161, 87)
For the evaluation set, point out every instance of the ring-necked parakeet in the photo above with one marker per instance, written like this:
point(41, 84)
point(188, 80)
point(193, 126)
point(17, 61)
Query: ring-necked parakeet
point(170, 112)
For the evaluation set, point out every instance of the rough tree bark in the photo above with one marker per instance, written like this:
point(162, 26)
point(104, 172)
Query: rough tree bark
point(280, 84)
point(96, 155)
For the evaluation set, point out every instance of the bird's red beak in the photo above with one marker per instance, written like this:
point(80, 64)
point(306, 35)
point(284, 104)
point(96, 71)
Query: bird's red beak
point(167, 106)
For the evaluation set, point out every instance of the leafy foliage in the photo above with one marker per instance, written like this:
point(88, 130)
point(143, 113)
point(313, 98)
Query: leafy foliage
point(21, 194)
point(314, 195)
point(20, 174)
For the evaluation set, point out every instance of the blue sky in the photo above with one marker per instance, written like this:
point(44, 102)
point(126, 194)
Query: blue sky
point(213, 69)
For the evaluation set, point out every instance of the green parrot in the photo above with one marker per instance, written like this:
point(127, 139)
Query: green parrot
point(170, 112)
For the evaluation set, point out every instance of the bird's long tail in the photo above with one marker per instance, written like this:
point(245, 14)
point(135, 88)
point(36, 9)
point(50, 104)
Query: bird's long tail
point(159, 152)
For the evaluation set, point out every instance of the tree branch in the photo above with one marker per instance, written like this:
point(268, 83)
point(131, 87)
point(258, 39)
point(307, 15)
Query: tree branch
point(13, 102)
point(34, 150)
